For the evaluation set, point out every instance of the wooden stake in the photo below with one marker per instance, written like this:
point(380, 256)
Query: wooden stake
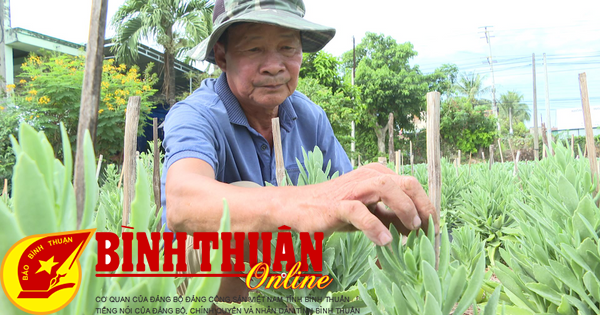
point(589, 130)
point(90, 97)
point(459, 157)
point(401, 162)
point(382, 160)
point(500, 148)
point(483, 156)
point(5, 188)
point(156, 171)
point(99, 166)
point(491, 156)
point(470, 159)
point(279, 163)
point(129, 155)
point(544, 155)
point(572, 145)
point(412, 160)
point(512, 151)
point(536, 144)
point(516, 171)
point(433, 159)
point(397, 160)
point(391, 138)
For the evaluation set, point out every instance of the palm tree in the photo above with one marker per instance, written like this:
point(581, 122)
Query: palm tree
point(176, 25)
point(511, 104)
point(471, 86)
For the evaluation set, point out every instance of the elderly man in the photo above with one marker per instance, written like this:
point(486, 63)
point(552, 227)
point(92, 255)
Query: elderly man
point(222, 134)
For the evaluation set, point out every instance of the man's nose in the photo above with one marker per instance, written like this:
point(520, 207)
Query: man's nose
point(273, 63)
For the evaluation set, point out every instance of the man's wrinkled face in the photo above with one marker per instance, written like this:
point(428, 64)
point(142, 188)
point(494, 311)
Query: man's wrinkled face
point(262, 63)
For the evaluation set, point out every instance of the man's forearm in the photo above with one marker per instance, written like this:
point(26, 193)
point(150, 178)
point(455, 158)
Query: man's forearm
point(195, 204)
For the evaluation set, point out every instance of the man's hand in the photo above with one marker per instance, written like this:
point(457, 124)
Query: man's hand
point(356, 201)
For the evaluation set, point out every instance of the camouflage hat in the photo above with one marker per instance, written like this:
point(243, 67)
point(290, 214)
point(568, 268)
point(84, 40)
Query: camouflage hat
point(284, 13)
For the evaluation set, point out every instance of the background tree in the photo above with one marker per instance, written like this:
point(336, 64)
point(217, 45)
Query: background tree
point(512, 106)
point(471, 85)
point(176, 25)
point(465, 128)
point(49, 92)
point(323, 67)
point(387, 83)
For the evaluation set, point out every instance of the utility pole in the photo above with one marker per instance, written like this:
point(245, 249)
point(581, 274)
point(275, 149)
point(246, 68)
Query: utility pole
point(549, 129)
point(491, 62)
point(536, 146)
point(353, 144)
point(2, 49)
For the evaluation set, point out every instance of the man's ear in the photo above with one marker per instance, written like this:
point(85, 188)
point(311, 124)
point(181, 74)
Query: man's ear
point(219, 50)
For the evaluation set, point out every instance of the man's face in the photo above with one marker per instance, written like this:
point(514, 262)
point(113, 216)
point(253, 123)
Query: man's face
point(262, 63)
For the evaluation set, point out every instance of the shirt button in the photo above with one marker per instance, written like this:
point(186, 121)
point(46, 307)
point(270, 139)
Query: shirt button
point(263, 147)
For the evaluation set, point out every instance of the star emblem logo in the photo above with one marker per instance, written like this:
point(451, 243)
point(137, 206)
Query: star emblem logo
point(47, 265)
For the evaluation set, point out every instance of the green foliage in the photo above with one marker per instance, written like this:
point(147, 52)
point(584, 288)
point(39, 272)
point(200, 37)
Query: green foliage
point(345, 257)
point(177, 26)
point(465, 128)
point(407, 282)
point(471, 86)
point(513, 112)
point(337, 106)
point(9, 120)
point(43, 201)
point(323, 67)
point(49, 92)
point(387, 83)
point(552, 266)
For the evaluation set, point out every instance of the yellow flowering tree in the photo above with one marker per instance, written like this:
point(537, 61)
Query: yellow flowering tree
point(49, 92)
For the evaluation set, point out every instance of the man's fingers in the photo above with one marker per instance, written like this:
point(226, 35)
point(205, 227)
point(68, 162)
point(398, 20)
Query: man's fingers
point(414, 190)
point(387, 189)
point(357, 214)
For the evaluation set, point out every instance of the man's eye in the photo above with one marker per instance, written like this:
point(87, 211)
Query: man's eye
point(255, 49)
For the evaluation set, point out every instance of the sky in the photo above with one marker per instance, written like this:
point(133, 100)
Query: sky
point(441, 32)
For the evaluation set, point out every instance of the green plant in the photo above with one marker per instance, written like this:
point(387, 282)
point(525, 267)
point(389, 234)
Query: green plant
point(43, 201)
point(408, 283)
point(49, 92)
point(345, 257)
point(552, 266)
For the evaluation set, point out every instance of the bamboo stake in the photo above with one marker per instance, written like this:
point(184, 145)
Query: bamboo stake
point(90, 97)
point(156, 171)
point(572, 145)
point(459, 157)
point(512, 151)
point(500, 148)
point(589, 131)
point(129, 155)
point(99, 166)
point(433, 159)
point(279, 165)
point(5, 188)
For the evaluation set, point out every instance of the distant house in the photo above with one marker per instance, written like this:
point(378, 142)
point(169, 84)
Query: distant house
point(21, 42)
point(569, 121)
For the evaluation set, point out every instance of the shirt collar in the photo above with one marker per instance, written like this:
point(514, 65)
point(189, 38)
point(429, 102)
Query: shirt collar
point(287, 114)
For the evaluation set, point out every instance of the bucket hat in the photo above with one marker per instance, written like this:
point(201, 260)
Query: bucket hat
point(284, 13)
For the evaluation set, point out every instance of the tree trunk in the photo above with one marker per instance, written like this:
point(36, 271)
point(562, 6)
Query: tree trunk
point(168, 88)
point(169, 77)
point(380, 133)
point(391, 150)
point(510, 120)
